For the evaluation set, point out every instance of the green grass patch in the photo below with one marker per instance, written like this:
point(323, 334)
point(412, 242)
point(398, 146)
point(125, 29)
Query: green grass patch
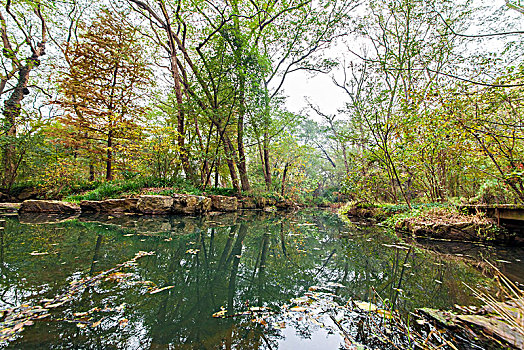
point(128, 188)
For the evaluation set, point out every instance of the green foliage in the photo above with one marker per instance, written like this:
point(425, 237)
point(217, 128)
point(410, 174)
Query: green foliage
point(118, 189)
point(493, 192)
point(221, 191)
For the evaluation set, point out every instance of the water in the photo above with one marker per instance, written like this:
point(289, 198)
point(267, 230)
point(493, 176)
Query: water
point(231, 262)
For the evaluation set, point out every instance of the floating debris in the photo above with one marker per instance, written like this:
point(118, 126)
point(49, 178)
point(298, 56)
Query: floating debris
point(14, 320)
point(158, 290)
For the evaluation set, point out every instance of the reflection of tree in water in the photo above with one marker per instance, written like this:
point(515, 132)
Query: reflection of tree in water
point(234, 262)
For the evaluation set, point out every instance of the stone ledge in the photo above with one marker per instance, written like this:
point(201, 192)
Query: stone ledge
point(45, 206)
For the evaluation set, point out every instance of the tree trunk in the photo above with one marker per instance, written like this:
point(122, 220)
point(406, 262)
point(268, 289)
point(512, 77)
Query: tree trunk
point(109, 161)
point(241, 75)
point(184, 153)
point(231, 165)
point(217, 166)
point(205, 166)
point(267, 167)
point(91, 172)
point(13, 105)
point(12, 109)
point(284, 180)
point(242, 168)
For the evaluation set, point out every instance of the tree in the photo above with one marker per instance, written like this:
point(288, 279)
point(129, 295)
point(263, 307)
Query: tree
point(101, 88)
point(23, 29)
point(409, 45)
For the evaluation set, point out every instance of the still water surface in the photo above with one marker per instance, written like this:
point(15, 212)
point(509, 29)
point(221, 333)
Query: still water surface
point(230, 262)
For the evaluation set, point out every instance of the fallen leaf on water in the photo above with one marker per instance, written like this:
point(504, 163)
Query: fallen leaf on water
point(365, 306)
point(258, 308)
point(37, 253)
point(52, 306)
point(118, 276)
point(336, 285)
point(220, 314)
point(158, 290)
point(503, 261)
point(298, 309)
point(300, 300)
point(385, 313)
point(279, 325)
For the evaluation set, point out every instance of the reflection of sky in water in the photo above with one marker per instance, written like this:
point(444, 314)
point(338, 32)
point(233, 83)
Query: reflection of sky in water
point(231, 261)
point(321, 339)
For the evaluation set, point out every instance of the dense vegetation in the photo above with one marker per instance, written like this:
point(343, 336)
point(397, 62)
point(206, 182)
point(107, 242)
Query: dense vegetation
point(189, 94)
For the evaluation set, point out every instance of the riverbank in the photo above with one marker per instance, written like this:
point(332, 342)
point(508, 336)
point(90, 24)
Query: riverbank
point(435, 221)
point(182, 204)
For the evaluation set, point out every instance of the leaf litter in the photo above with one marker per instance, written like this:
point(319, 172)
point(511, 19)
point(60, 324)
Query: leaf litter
point(14, 320)
point(360, 324)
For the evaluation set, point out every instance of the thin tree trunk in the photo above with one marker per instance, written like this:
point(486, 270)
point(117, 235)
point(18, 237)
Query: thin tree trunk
point(284, 180)
point(183, 151)
point(12, 110)
point(109, 161)
point(205, 166)
point(231, 165)
point(242, 168)
point(91, 172)
point(267, 168)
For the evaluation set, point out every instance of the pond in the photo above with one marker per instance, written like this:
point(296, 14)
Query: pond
point(242, 267)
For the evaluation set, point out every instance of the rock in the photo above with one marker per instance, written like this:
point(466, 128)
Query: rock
point(447, 230)
point(124, 205)
point(44, 206)
point(248, 203)
point(223, 203)
point(261, 202)
point(285, 204)
point(190, 204)
point(149, 204)
point(9, 207)
point(27, 193)
point(4, 197)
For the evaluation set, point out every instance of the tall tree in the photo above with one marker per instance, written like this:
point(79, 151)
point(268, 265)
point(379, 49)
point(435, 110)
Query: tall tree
point(102, 86)
point(23, 29)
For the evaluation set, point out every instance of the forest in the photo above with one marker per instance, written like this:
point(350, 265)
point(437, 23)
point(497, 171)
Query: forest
point(113, 97)
point(262, 174)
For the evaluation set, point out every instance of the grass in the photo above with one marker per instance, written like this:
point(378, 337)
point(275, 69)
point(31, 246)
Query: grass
point(511, 311)
point(119, 189)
